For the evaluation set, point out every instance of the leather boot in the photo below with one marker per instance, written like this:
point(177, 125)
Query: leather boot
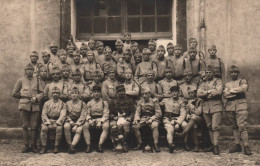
point(34, 149)
point(125, 147)
point(88, 149)
point(196, 148)
point(156, 148)
point(99, 149)
point(187, 146)
point(26, 149)
point(138, 147)
point(247, 151)
point(236, 148)
point(209, 149)
point(56, 150)
point(43, 150)
point(216, 150)
point(171, 148)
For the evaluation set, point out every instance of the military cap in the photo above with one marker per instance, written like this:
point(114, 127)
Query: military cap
point(146, 51)
point(161, 47)
point(83, 46)
point(118, 42)
point(210, 68)
point(76, 53)
point(151, 41)
point(91, 40)
point(76, 72)
point(90, 52)
point(187, 72)
point(29, 67)
point(145, 90)
point(174, 88)
point(107, 49)
point(42, 68)
point(170, 45)
point(99, 43)
point(134, 43)
point(137, 54)
point(75, 89)
point(212, 47)
point(168, 69)
point(46, 53)
point(127, 33)
point(53, 44)
point(65, 68)
point(128, 51)
point(55, 70)
point(150, 72)
point(62, 51)
point(96, 88)
point(70, 45)
point(111, 69)
point(192, 49)
point(192, 89)
point(34, 53)
point(120, 88)
point(234, 68)
point(192, 39)
point(55, 89)
point(128, 71)
point(178, 46)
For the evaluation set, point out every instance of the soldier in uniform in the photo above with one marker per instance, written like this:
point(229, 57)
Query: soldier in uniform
point(161, 63)
point(148, 113)
point(170, 50)
point(76, 62)
point(167, 83)
point(46, 62)
point(134, 47)
point(119, 50)
point(210, 91)
point(127, 37)
point(216, 62)
point(76, 116)
point(152, 48)
point(70, 49)
point(34, 61)
point(144, 66)
point(174, 115)
point(193, 43)
point(137, 59)
point(95, 82)
point(122, 66)
point(109, 86)
point(53, 117)
point(108, 63)
point(92, 46)
point(187, 85)
point(30, 94)
point(54, 50)
point(121, 113)
point(62, 54)
point(131, 87)
point(83, 53)
point(97, 116)
point(65, 72)
point(236, 109)
point(100, 49)
point(155, 88)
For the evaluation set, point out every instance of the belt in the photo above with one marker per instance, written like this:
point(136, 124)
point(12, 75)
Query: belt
point(236, 98)
point(96, 116)
point(178, 78)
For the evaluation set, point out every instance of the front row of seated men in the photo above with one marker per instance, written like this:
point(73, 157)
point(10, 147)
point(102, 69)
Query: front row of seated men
point(121, 111)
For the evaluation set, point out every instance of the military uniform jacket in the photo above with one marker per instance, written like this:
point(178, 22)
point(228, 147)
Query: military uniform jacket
point(218, 64)
point(174, 109)
point(194, 106)
point(132, 88)
point(84, 90)
point(106, 65)
point(178, 64)
point(155, 89)
point(54, 58)
point(148, 110)
point(100, 58)
point(36, 67)
point(143, 67)
point(108, 89)
point(68, 83)
point(54, 112)
point(76, 112)
point(236, 100)
point(210, 92)
point(184, 89)
point(79, 66)
point(49, 67)
point(122, 67)
point(116, 55)
point(60, 64)
point(97, 109)
point(161, 66)
point(61, 85)
point(90, 68)
point(153, 56)
point(121, 105)
point(24, 90)
point(166, 85)
point(197, 65)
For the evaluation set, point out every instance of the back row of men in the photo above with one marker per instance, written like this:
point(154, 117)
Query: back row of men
point(186, 88)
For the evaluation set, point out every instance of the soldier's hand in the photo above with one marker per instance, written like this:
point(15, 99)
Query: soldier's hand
point(72, 123)
point(177, 126)
point(74, 128)
point(116, 118)
point(91, 122)
point(55, 125)
point(99, 124)
point(128, 119)
point(149, 121)
point(135, 122)
point(33, 99)
point(173, 122)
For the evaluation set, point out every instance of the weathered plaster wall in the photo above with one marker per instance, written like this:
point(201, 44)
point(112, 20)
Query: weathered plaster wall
point(234, 27)
point(25, 26)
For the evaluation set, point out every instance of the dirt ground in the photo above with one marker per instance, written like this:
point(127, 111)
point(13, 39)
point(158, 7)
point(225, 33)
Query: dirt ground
point(10, 154)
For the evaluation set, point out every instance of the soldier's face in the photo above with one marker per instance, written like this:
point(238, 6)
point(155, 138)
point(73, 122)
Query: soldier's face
point(74, 95)
point(111, 75)
point(212, 52)
point(55, 76)
point(107, 54)
point(138, 59)
point(34, 59)
point(43, 73)
point(146, 56)
point(76, 58)
point(100, 49)
point(193, 44)
point(46, 58)
point(128, 75)
point(29, 72)
point(83, 51)
point(63, 57)
point(91, 45)
point(55, 95)
point(77, 77)
point(209, 75)
point(119, 47)
point(175, 93)
point(188, 78)
point(150, 77)
point(128, 37)
point(192, 94)
point(234, 75)
point(95, 78)
point(177, 51)
point(127, 57)
point(192, 54)
point(170, 50)
point(151, 47)
point(96, 94)
point(160, 53)
point(134, 48)
point(65, 73)
point(54, 49)
point(90, 57)
point(168, 74)
point(71, 50)
point(146, 96)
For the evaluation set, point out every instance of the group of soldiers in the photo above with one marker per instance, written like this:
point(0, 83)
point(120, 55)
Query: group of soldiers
point(93, 87)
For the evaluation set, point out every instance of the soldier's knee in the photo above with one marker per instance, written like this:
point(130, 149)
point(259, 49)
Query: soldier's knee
point(86, 126)
point(154, 125)
point(58, 129)
point(67, 127)
point(44, 129)
point(79, 130)
point(169, 128)
point(184, 124)
point(105, 126)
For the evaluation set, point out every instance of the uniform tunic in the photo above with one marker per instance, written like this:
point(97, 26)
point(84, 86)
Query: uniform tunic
point(166, 85)
point(132, 89)
point(109, 89)
point(184, 89)
point(179, 64)
point(161, 66)
point(76, 112)
point(61, 85)
point(141, 70)
point(97, 109)
point(218, 64)
point(155, 89)
point(90, 68)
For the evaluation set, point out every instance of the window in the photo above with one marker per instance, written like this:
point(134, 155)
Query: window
point(108, 19)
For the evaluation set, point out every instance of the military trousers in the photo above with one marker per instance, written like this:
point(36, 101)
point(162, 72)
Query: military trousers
point(213, 120)
point(237, 119)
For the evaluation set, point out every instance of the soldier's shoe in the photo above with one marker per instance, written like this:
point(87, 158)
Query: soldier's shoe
point(43, 150)
point(196, 148)
point(99, 149)
point(209, 149)
point(187, 146)
point(34, 149)
point(26, 149)
point(138, 147)
point(56, 150)
point(216, 150)
point(236, 148)
point(88, 149)
point(148, 148)
point(72, 149)
point(171, 148)
point(156, 148)
point(125, 148)
point(247, 151)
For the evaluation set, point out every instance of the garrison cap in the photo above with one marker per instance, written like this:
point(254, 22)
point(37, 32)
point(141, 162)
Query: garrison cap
point(62, 51)
point(53, 44)
point(234, 68)
point(42, 68)
point(210, 68)
point(65, 68)
point(170, 45)
point(70, 45)
point(146, 51)
point(118, 42)
point(120, 88)
point(83, 46)
point(174, 88)
point(91, 40)
point(99, 43)
point(55, 70)
point(192, 39)
point(151, 42)
point(55, 89)
point(128, 71)
point(212, 47)
point(96, 88)
point(111, 69)
point(145, 90)
point(46, 53)
point(34, 53)
point(168, 69)
point(90, 52)
point(134, 43)
point(161, 47)
point(127, 33)
point(74, 89)
point(178, 46)
point(76, 53)
point(187, 72)
point(108, 49)
point(29, 67)
point(76, 72)
point(128, 51)
point(137, 54)
point(150, 72)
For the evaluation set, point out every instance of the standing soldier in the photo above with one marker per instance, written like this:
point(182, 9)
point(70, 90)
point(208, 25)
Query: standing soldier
point(236, 109)
point(131, 86)
point(46, 62)
point(170, 50)
point(29, 92)
point(119, 50)
point(121, 67)
point(174, 115)
point(54, 50)
point(193, 43)
point(148, 114)
point(109, 86)
point(66, 79)
point(100, 49)
point(152, 48)
point(34, 61)
point(144, 66)
point(167, 83)
point(92, 46)
point(83, 53)
point(184, 88)
point(53, 117)
point(70, 49)
point(76, 116)
point(137, 59)
point(97, 117)
point(127, 37)
point(108, 63)
point(210, 91)
point(62, 59)
point(134, 47)
point(217, 63)
point(95, 82)
point(161, 63)
point(76, 62)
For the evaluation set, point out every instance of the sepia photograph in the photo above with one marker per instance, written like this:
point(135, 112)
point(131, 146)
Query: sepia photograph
point(130, 82)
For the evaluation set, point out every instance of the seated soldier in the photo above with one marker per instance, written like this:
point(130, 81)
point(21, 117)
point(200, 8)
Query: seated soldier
point(84, 90)
point(194, 117)
point(53, 117)
point(75, 119)
point(121, 113)
point(97, 117)
point(148, 114)
point(174, 115)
